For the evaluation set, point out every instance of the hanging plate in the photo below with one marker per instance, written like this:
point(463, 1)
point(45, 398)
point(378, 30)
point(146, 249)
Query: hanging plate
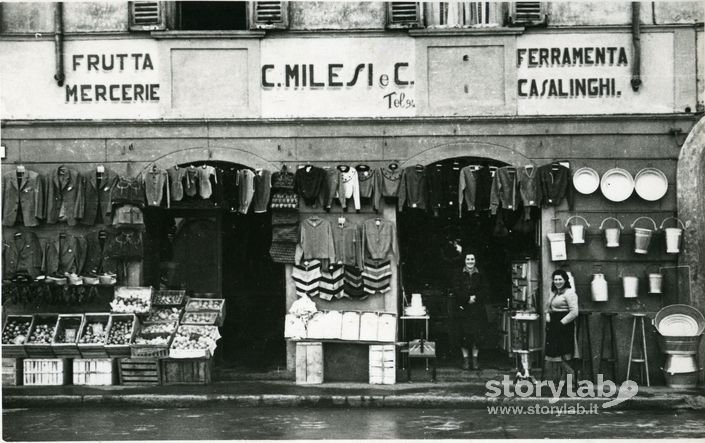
point(617, 184)
point(651, 184)
point(586, 180)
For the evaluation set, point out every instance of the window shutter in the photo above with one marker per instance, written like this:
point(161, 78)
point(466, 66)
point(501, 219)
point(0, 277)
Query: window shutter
point(146, 16)
point(528, 14)
point(404, 15)
point(269, 15)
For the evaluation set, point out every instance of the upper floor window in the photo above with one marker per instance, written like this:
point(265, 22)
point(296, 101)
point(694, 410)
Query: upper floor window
point(208, 16)
point(435, 15)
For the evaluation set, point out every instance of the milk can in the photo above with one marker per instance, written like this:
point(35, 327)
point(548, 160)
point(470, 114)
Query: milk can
point(598, 287)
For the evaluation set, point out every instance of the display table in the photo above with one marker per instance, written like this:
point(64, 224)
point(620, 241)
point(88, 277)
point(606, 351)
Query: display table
point(420, 348)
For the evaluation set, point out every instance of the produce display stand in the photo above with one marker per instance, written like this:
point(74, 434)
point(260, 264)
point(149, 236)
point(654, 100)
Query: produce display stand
point(139, 371)
point(94, 350)
point(63, 349)
point(207, 305)
point(121, 350)
point(152, 350)
point(11, 349)
point(41, 350)
point(186, 371)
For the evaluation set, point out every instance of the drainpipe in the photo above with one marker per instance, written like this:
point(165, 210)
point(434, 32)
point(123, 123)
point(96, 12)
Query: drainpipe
point(636, 43)
point(59, 43)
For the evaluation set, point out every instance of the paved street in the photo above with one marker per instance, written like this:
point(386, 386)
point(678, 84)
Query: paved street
point(300, 423)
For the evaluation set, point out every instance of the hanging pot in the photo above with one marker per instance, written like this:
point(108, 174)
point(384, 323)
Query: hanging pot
point(612, 234)
point(673, 236)
point(642, 236)
point(577, 231)
point(558, 249)
point(630, 284)
point(598, 287)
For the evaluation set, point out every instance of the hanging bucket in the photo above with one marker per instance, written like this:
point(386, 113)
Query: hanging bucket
point(642, 236)
point(673, 236)
point(612, 234)
point(558, 250)
point(576, 231)
point(631, 286)
point(655, 283)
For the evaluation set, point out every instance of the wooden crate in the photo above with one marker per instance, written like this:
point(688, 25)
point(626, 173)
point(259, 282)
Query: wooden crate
point(67, 349)
point(41, 350)
point(94, 371)
point(45, 371)
point(16, 350)
point(11, 371)
point(168, 297)
point(309, 363)
point(186, 371)
point(94, 350)
point(121, 350)
point(194, 305)
point(139, 371)
point(383, 367)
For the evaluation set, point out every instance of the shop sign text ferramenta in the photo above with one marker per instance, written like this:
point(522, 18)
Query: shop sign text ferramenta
point(115, 64)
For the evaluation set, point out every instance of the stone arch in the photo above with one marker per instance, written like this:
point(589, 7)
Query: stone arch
point(468, 149)
point(691, 209)
point(232, 155)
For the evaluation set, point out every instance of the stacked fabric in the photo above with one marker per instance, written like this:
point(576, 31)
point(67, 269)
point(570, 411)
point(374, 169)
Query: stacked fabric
point(285, 217)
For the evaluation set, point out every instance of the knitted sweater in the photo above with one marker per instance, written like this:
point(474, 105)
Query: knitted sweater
point(413, 189)
point(317, 239)
point(565, 302)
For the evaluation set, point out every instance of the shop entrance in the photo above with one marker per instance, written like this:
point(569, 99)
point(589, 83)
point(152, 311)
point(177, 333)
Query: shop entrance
point(428, 263)
point(203, 246)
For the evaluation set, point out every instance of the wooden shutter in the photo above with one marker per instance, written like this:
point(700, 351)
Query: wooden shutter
point(528, 13)
point(404, 15)
point(146, 16)
point(269, 15)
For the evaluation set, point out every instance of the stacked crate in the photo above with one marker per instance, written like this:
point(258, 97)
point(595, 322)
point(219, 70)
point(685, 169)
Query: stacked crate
point(383, 368)
point(94, 371)
point(45, 371)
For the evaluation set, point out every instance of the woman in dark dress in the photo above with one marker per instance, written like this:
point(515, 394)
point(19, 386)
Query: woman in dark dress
point(470, 290)
point(561, 311)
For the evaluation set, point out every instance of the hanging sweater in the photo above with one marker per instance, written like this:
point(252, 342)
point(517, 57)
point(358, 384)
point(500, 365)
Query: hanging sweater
point(332, 282)
point(348, 187)
point(156, 184)
point(176, 182)
point(262, 190)
point(317, 239)
point(369, 187)
point(330, 187)
point(307, 278)
point(379, 238)
point(246, 187)
point(389, 181)
point(309, 184)
point(554, 186)
point(466, 189)
point(504, 190)
point(348, 244)
point(528, 185)
point(413, 189)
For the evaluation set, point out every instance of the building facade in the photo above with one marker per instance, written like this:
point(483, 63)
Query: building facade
point(263, 85)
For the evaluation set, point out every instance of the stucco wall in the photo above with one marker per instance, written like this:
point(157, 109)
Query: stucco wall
point(337, 15)
point(95, 16)
point(27, 17)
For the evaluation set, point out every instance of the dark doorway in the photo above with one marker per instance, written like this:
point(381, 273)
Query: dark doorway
point(212, 16)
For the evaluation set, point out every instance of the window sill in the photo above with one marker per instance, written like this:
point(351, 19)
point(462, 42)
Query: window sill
point(452, 32)
point(208, 34)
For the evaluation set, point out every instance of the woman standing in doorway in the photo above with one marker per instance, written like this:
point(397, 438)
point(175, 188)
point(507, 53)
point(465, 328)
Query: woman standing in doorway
point(470, 290)
point(561, 311)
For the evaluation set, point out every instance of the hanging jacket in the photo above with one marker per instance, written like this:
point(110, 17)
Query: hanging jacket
point(317, 239)
point(98, 257)
point(413, 189)
point(368, 180)
point(348, 244)
point(25, 196)
point(64, 196)
point(129, 191)
point(98, 196)
point(205, 187)
point(309, 183)
point(64, 253)
point(467, 188)
point(191, 183)
point(348, 187)
point(389, 181)
point(330, 187)
point(529, 186)
point(22, 253)
point(554, 186)
point(379, 239)
point(505, 189)
point(262, 189)
point(177, 176)
point(231, 195)
point(435, 187)
point(483, 188)
point(283, 179)
point(246, 186)
point(156, 185)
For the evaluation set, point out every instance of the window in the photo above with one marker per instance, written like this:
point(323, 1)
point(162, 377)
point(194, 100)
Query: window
point(404, 15)
point(208, 16)
point(462, 14)
point(527, 14)
point(454, 14)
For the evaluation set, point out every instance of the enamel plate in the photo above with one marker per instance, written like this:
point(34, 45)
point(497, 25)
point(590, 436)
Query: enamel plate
point(617, 184)
point(651, 184)
point(586, 180)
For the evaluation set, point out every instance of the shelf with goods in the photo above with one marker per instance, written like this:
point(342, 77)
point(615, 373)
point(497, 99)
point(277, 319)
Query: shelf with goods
point(15, 333)
point(65, 340)
point(93, 335)
point(41, 334)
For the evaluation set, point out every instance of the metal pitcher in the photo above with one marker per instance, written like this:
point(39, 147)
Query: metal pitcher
point(642, 237)
point(612, 234)
point(577, 231)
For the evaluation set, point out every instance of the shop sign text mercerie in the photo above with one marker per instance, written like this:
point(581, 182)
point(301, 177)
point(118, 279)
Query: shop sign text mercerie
point(113, 63)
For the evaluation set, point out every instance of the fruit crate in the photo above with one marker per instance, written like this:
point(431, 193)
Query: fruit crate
point(139, 371)
point(94, 371)
point(186, 371)
point(45, 371)
point(200, 318)
point(94, 349)
point(150, 349)
point(121, 349)
point(11, 371)
point(65, 342)
point(42, 348)
point(208, 304)
point(168, 297)
point(23, 323)
point(132, 300)
point(182, 346)
point(163, 314)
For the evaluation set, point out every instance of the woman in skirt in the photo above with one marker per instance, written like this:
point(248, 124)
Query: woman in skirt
point(561, 312)
point(470, 290)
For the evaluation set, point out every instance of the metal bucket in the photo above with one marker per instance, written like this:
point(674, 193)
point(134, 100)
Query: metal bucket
point(686, 380)
point(631, 286)
point(673, 236)
point(655, 282)
point(679, 345)
point(576, 231)
point(558, 250)
point(642, 237)
point(679, 364)
point(612, 234)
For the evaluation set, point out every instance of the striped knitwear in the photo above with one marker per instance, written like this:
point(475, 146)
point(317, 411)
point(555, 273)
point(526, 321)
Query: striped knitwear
point(377, 276)
point(332, 282)
point(353, 287)
point(307, 278)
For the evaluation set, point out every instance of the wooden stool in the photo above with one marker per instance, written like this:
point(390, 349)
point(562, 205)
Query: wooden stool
point(607, 326)
point(582, 331)
point(638, 318)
